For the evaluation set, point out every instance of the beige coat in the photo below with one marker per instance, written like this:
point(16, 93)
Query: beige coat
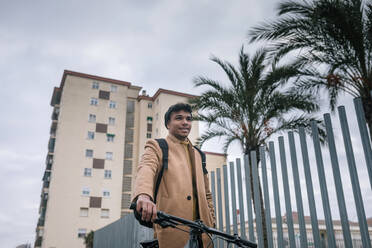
point(174, 189)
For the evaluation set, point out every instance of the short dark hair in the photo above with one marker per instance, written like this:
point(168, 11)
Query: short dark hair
point(175, 108)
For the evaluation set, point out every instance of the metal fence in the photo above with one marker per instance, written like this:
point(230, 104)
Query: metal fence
point(286, 231)
point(125, 232)
point(301, 231)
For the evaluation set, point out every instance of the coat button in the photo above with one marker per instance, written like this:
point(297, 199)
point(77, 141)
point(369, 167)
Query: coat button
point(188, 197)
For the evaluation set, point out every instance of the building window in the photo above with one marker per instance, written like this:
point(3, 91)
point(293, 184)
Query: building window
point(95, 85)
point(112, 104)
point(111, 121)
point(93, 101)
point(128, 150)
point(87, 172)
point(109, 155)
point(105, 213)
point(148, 135)
point(110, 137)
point(106, 193)
point(149, 127)
point(157, 101)
point(149, 105)
point(82, 232)
point(149, 119)
point(90, 135)
point(107, 174)
point(114, 88)
point(92, 118)
point(157, 116)
point(130, 107)
point(85, 191)
point(84, 212)
point(88, 153)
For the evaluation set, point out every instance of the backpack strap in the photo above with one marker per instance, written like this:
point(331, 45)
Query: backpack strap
point(204, 163)
point(164, 148)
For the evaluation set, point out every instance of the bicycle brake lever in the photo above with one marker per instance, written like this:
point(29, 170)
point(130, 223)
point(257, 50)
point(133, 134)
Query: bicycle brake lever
point(163, 221)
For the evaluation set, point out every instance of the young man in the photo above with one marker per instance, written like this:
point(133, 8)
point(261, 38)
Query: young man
point(184, 188)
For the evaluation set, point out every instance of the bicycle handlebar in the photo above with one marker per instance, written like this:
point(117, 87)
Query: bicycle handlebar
point(167, 220)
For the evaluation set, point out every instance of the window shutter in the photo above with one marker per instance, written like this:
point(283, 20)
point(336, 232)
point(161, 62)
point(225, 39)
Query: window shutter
point(130, 107)
point(130, 120)
point(127, 167)
point(101, 128)
point(149, 127)
point(125, 201)
point(104, 95)
point(128, 153)
point(129, 133)
point(95, 202)
point(127, 183)
point(98, 163)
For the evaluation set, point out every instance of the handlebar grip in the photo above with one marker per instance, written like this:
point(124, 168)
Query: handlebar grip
point(138, 216)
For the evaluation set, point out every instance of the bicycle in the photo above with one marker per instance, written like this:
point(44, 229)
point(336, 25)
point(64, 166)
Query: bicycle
point(196, 229)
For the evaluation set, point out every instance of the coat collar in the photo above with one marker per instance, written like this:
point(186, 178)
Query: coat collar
point(175, 140)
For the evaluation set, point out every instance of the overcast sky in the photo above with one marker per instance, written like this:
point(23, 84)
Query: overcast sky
point(152, 44)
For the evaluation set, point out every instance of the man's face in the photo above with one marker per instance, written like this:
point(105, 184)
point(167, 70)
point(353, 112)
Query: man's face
point(179, 124)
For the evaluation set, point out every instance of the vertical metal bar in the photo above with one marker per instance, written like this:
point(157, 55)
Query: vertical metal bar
point(354, 178)
point(248, 191)
point(297, 185)
point(287, 195)
point(309, 188)
point(241, 200)
point(364, 136)
point(213, 188)
point(227, 201)
point(233, 198)
point(338, 182)
point(323, 186)
point(267, 198)
point(278, 215)
point(219, 202)
point(257, 200)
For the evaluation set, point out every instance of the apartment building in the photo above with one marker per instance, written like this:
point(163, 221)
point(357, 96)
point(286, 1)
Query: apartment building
point(98, 131)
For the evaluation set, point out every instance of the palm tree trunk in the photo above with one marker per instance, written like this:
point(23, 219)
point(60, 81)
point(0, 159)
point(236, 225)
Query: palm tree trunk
point(367, 106)
point(263, 216)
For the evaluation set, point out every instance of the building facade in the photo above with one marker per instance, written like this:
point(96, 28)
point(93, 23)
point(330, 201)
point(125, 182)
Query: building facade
point(98, 131)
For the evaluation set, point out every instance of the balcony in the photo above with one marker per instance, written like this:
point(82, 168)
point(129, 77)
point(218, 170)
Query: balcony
point(53, 129)
point(44, 200)
point(46, 184)
point(41, 221)
point(46, 179)
point(55, 114)
point(46, 176)
point(56, 98)
point(49, 162)
point(38, 241)
point(51, 144)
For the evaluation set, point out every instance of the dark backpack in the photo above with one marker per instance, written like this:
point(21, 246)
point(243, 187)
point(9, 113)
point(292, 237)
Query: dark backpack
point(164, 148)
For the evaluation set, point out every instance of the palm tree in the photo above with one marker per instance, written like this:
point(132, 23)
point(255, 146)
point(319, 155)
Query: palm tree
point(333, 38)
point(253, 105)
point(88, 240)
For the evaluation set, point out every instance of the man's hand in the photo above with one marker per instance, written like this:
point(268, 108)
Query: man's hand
point(146, 207)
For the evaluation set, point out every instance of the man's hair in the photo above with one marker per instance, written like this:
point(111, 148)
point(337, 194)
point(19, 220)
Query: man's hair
point(175, 108)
